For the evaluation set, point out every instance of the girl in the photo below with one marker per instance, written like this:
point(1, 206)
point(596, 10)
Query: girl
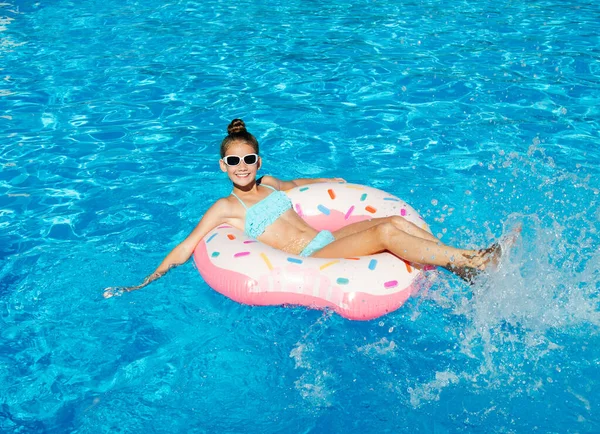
point(265, 213)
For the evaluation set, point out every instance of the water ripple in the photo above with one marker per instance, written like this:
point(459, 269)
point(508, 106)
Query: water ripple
point(480, 115)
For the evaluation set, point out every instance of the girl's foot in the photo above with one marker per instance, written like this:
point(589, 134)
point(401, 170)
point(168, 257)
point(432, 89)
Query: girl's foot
point(492, 256)
point(489, 258)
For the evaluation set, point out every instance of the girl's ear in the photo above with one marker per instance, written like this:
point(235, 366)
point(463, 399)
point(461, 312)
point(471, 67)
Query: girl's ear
point(223, 165)
point(259, 165)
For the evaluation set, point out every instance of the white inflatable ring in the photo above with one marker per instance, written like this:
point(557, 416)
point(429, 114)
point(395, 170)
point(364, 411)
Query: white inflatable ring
point(361, 288)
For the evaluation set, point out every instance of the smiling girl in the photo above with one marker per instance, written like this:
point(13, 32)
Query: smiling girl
point(264, 212)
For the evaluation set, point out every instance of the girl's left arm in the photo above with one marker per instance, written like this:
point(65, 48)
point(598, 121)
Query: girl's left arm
point(286, 185)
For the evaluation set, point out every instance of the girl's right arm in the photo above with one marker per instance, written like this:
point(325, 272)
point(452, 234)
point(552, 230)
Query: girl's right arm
point(215, 215)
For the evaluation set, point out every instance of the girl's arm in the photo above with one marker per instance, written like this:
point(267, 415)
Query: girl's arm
point(215, 215)
point(286, 185)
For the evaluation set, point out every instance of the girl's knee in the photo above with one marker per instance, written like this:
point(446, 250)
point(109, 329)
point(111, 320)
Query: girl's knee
point(400, 222)
point(385, 231)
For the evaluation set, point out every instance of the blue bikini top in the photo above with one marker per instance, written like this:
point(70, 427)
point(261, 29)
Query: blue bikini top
point(263, 213)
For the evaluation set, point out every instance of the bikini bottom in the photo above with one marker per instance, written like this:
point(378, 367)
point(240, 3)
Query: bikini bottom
point(322, 239)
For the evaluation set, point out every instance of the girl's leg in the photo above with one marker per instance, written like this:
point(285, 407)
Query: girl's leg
point(399, 222)
point(386, 236)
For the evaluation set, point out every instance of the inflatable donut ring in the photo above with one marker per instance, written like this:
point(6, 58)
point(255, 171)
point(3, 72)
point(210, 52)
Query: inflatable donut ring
point(360, 288)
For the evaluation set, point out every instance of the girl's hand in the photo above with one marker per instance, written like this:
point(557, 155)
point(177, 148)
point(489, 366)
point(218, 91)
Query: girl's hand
point(114, 291)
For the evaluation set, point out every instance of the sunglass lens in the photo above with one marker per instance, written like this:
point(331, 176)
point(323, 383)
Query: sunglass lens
point(250, 159)
point(232, 160)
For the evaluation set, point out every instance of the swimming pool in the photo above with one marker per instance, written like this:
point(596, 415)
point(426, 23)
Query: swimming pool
point(480, 116)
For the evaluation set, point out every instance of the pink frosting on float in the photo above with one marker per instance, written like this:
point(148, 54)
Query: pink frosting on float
point(355, 305)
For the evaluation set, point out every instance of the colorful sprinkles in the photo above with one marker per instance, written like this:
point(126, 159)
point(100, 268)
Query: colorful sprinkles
point(231, 236)
point(363, 197)
point(372, 264)
point(324, 209)
point(299, 210)
point(295, 260)
point(329, 264)
point(390, 284)
point(224, 227)
point(210, 238)
point(240, 254)
point(402, 212)
point(342, 281)
point(264, 258)
point(349, 212)
point(331, 193)
point(215, 254)
point(304, 188)
point(371, 209)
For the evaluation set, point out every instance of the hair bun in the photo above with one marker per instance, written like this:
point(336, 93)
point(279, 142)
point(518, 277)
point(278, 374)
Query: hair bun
point(236, 126)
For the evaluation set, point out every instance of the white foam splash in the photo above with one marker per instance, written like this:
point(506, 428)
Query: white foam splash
point(312, 384)
point(381, 347)
point(431, 390)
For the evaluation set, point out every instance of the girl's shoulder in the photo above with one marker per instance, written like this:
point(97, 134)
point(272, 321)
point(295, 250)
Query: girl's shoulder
point(229, 206)
point(223, 209)
point(269, 180)
point(224, 204)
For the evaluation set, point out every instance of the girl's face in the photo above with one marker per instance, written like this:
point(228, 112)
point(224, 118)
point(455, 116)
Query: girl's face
point(243, 173)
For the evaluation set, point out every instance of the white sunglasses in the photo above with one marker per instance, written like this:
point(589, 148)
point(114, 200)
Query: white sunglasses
point(234, 160)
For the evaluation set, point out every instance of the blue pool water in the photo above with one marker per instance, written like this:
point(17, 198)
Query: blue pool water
point(481, 115)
